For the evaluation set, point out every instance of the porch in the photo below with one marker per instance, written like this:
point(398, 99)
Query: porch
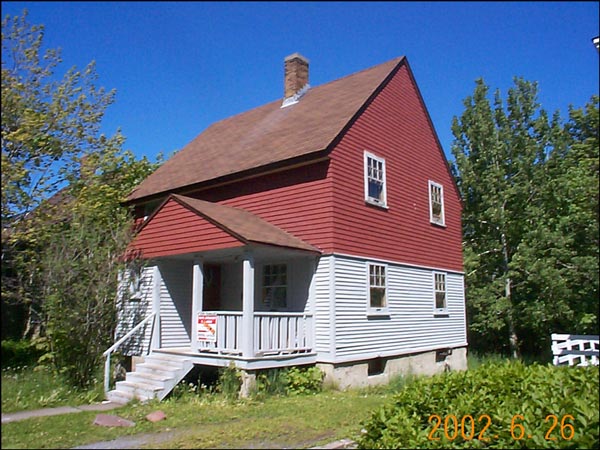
point(225, 287)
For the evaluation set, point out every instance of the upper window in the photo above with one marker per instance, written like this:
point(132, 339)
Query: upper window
point(375, 180)
point(439, 290)
point(436, 203)
point(274, 293)
point(377, 288)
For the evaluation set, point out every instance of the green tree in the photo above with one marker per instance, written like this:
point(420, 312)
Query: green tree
point(64, 230)
point(523, 207)
point(80, 265)
point(48, 123)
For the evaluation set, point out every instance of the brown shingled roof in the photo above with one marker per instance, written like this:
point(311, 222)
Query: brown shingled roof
point(268, 134)
point(242, 224)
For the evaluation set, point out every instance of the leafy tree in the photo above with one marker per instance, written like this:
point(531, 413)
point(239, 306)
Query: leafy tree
point(64, 231)
point(48, 122)
point(80, 265)
point(529, 220)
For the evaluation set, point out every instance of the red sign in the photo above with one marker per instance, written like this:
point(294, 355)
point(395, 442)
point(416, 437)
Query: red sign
point(207, 327)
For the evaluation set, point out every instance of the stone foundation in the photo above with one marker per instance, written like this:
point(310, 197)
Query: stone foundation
point(382, 370)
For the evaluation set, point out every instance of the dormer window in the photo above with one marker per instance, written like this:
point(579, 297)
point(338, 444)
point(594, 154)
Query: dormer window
point(436, 203)
point(375, 190)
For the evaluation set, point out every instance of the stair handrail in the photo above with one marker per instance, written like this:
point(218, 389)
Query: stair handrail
point(117, 344)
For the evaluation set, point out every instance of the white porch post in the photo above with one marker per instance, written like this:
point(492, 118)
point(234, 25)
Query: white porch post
point(197, 307)
point(156, 282)
point(248, 306)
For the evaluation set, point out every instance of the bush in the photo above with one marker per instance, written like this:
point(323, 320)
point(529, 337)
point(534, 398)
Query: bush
point(304, 380)
point(289, 381)
point(229, 381)
point(23, 353)
point(499, 405)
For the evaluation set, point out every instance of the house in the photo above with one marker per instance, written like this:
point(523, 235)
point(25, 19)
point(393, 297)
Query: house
point(322, 228)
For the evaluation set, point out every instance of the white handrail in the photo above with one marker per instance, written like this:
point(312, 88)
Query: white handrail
point(116, 345)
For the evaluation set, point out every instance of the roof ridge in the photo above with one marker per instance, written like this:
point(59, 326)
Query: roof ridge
point(269, 134)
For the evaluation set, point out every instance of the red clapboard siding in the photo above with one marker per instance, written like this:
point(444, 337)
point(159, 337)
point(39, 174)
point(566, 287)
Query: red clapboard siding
point(176, 230)
point(298, 201)
point(395, 126)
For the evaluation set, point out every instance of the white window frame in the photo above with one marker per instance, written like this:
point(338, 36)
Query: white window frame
point(372, 200)
point(432, 219)
point(437, 310)
point(377, 310)
point(286, 285)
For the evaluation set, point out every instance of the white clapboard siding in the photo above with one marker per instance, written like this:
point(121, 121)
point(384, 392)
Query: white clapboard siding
point(322, 306)
point(131, 312)
point(410, 326)
point(175, 303)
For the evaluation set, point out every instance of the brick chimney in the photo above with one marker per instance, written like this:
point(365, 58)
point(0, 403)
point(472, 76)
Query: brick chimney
point(296, 75)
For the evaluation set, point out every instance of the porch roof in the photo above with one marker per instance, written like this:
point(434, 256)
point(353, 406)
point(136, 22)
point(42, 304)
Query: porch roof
point(238, 223)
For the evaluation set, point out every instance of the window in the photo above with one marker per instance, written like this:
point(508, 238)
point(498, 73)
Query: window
point(134, 280)
point(377, 288)
point(375, 180)
point(439, 290)
point(274, 294)
point(436, 203)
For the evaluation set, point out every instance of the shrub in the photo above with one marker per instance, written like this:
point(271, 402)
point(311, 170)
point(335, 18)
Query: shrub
point(498, 405)
point(19, 354)
point(229, 381)
point(272, 382)
point(304, 380)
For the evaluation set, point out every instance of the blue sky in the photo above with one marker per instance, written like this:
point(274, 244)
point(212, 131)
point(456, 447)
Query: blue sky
point(180, 66)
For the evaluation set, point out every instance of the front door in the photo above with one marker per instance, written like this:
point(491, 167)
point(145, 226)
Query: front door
point(211, 296)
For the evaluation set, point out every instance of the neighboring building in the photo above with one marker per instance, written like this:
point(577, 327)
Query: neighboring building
point(322, 229)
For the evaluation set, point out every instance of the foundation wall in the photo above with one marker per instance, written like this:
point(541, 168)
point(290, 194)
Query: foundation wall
point(383, 370)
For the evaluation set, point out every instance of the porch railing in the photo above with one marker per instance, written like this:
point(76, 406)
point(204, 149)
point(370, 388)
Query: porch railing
point(275, 333)
point(117, 344)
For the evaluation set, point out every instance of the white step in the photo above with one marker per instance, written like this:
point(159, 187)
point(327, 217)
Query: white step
point(154, 378)
point(148, 378)
point(138, 389)
point(156, 369)
point(123, 397)
point(162, 357)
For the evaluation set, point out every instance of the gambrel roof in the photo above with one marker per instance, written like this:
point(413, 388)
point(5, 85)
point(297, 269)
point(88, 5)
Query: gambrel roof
point(267, 135)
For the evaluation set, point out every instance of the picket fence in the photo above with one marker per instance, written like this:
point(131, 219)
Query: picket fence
point(574, 350)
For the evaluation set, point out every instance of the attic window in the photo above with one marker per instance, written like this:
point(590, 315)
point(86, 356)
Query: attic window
point(436, 203)
point(375, 192)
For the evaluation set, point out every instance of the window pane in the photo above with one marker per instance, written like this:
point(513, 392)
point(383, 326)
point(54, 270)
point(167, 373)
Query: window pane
point(440, 300)
point(377, 297)
point(376, 190)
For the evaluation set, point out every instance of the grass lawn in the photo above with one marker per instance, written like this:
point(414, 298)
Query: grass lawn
point(213, 422)
point(193, 421)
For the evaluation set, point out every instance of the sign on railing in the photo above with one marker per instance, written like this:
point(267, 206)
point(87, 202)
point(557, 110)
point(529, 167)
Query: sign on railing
point(207, 327)
point(575, 350)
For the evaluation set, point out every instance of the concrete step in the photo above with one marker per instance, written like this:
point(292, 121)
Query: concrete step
point(148, 378)
point(162, 358)
point(157, 369)
point(138, 389)
point(123, 397)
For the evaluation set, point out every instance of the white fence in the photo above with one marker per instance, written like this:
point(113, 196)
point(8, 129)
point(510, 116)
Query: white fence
point(575, 350)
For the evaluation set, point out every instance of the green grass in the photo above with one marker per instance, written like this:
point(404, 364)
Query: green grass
point(25, 388)
point(211, 421)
